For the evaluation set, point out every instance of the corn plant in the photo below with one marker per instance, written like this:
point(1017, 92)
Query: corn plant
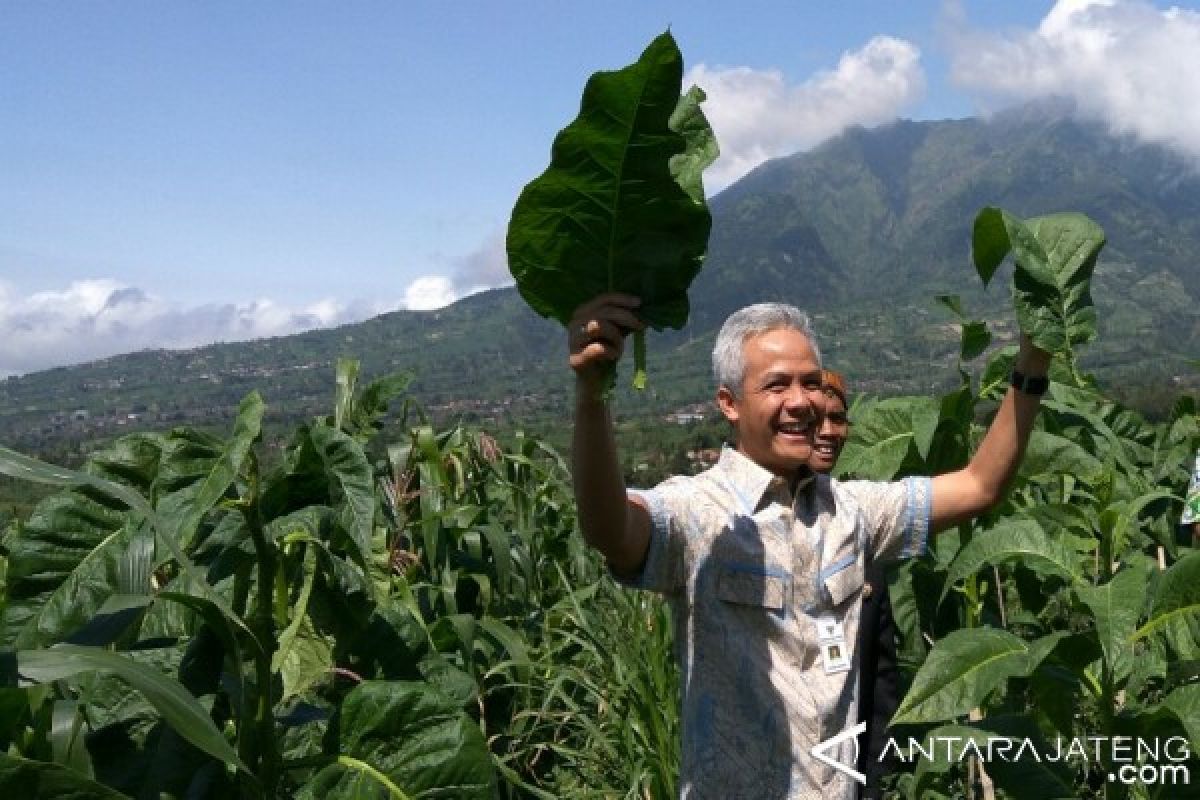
point(362, 617)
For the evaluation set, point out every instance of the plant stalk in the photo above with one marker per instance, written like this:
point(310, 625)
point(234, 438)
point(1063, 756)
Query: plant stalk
point(263, 756)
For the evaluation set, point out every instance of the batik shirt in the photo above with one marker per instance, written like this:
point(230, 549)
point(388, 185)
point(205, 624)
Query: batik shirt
point(1191, 506)
point(750, 569)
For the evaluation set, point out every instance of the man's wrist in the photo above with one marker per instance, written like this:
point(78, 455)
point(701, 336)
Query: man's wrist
point(1032, 361)
point(1035, 385)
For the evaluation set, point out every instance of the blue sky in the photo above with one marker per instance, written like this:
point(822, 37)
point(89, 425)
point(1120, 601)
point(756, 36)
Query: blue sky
point(176, 173)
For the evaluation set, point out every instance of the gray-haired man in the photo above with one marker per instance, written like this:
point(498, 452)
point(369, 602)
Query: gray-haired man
point(761, 559)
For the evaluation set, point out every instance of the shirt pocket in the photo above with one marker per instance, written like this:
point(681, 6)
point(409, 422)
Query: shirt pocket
point(845, 581)
point(842, 571)
point(759, 587)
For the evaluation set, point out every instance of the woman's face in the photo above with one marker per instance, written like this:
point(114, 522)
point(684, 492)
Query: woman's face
point(831, 434)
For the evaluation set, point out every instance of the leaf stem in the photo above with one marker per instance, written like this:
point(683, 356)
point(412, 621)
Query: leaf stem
point(639, 359)
point(263, 625)
point(362, 766)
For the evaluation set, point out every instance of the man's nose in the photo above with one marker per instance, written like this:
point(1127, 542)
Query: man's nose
point(826, 428)
point(805, 400)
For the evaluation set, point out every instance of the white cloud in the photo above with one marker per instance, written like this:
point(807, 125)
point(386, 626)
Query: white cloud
point(485, 267)
point(98, 318)
point(429, 292)
point(1125, 62)
point(757, 115)
point(91, 319)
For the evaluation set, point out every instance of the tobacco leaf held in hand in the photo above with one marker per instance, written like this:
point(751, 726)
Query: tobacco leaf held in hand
point(621, 207)
point(1054, 257)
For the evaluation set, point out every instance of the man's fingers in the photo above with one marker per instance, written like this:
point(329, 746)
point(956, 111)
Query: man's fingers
point(595, 353)
point(616, 299)
point(605, 320)
point(598, 331)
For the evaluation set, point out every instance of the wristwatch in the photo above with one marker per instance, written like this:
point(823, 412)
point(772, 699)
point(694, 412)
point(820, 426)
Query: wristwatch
point(1029, 384)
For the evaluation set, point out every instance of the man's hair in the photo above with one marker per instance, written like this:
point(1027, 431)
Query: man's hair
point(728, 359)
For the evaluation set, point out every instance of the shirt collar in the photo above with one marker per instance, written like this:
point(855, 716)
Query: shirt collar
point(751, 481)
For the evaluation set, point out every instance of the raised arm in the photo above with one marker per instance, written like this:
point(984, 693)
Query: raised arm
point(611, 522)
point(972, 490)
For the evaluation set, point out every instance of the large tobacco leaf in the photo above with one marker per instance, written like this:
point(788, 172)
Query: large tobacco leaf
point(964, 667)
point(1175, 612)
point(176, 705)
point(887, 433)
point(1055, 256)
point(38, 780)
point(1015, 539)
point(71, 554)
point(621, 206)
point(404, 739)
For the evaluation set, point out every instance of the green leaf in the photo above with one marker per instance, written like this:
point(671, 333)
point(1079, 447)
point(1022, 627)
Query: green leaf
point(620, 207)
point(964, 667)
point(177, 706)
point(1177, 599)
point(404, 738)
point(80, 545)
point(1048, 454)
point(1116, 607)
point(98, 527)
point(1015, 539)
point(975, 340)
point(883, 433)
point(66, 737)
point(63, 569)
point(975, 337)
point(37, 780)
point(701, 145)
point(1028, 776)
point(1118, 535)
point(952, 302)
point(183, 510)
point(22, 467)
point(304, 657)
point(1055, 256)
point(1184, 703)
point(350, 480)
point(367, 409)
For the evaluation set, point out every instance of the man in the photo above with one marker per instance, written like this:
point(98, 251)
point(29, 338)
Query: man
point(879, 674)
point(762, 561)
point(1191, 505)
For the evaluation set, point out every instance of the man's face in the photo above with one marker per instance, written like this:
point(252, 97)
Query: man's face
point(781, 401)
point(831, 434)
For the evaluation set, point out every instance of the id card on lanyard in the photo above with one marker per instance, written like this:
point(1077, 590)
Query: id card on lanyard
point(831, 639)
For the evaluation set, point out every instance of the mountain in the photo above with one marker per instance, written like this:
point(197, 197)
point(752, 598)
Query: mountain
point(862, 231)
point(887, 212)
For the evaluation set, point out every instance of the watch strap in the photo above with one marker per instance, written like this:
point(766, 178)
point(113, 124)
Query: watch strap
point(1029, 384)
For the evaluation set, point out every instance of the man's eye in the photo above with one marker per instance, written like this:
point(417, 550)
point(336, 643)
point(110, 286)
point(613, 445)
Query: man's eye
point(838, 417)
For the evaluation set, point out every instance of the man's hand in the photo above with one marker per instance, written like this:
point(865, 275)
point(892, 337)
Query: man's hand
point(596, 337)
point(612, 523)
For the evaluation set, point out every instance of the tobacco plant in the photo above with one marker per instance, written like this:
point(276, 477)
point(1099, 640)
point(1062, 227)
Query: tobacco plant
point(367, 615)
point(1071, 611)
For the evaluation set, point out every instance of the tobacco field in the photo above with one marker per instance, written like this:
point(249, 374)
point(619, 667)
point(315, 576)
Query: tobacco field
point(376, 608)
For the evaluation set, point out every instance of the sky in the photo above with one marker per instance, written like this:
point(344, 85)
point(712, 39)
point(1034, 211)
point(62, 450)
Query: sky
point(174, 174)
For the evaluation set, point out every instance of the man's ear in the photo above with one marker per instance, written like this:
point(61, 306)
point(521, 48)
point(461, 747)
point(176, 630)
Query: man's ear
point(728, 404)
